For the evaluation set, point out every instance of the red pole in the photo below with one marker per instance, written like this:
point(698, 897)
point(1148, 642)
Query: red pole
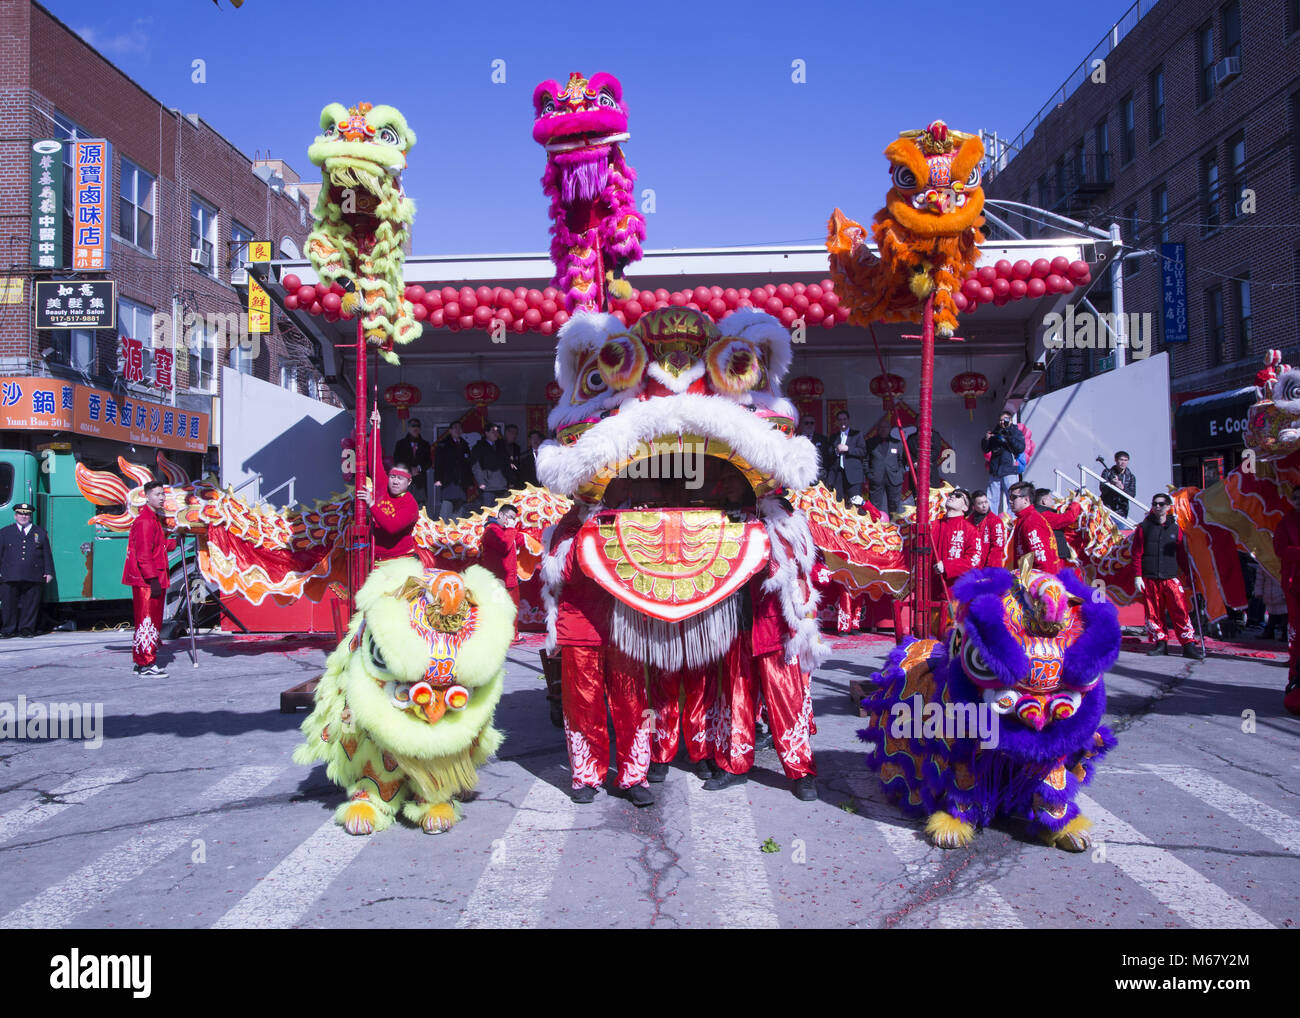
point(924, 557)
point(358, 555)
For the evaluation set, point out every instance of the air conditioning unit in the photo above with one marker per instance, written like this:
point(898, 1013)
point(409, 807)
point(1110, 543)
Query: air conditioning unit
point(238, 277)
point(1225, 70)
point(200, 257)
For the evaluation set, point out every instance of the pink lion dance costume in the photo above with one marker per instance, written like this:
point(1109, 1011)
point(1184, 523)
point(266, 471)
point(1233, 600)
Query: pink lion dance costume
point(596, 230)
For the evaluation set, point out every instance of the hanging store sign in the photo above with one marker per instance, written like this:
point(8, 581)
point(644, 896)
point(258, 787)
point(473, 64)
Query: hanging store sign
point(68, 304)
point(47, 204)
point(1173, 291)
point(259, 308)
point(92, 187)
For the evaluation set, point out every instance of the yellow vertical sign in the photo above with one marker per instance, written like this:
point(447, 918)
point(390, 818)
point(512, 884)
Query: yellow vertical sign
point(259, 308)
point(259, 250)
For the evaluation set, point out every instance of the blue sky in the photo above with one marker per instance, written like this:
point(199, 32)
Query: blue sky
point(736, 152)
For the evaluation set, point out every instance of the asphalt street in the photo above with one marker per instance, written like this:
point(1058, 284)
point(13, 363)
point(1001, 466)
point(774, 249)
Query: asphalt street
point(191, 814)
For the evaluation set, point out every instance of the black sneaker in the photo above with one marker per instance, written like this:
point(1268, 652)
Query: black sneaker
point(583, 795)
point(805, 789)
point(1160, 647)
point(153, 672)
point(639, 796)
point(703, 769)
point(724, 780)
point(657, 772)
point(1193, 651)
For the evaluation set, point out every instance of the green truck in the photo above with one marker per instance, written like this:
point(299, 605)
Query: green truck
point(88, 559)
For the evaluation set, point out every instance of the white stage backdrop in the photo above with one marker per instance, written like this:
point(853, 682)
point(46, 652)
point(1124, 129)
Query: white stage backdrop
point(1126, 409)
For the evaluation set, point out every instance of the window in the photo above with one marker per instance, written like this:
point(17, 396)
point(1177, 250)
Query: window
point(1241, 297)
point(1131, 263)
point(240, 236)
point(1232, 30)
point(135, 206)
point(135, 321)
point(73, 347)
point(203, 236)
point(289, 377)
point(1103, 150)
point(203, 340)
point(1205, 63)
point(1214, 323)
point(1160, 213)
point(1237, 171)
point(241, 360)
point(1128, 139)
point(1209, 193)
point(1156, 97)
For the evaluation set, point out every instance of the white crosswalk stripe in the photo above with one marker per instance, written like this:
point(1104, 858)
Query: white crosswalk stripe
point(513, 889)
point(727, 858)
point(91, 885)
point(72, 792)
point(1272, 823)
point(984, 908)
point(288, 891)
point(1192, 897)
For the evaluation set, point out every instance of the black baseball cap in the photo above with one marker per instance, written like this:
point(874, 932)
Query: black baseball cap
point(24, 507)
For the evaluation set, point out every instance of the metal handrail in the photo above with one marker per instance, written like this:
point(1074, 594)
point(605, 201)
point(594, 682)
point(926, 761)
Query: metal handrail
point(1085, 473)
point(287, 484)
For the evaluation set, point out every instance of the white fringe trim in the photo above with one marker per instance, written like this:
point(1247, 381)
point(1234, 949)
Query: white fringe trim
point(794, 556)
point(671, 646)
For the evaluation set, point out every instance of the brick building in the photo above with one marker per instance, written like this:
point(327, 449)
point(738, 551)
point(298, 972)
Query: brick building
point(184, 205)
point(1187, 132)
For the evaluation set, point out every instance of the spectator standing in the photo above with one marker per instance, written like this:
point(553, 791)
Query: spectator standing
point(491, 466)
point(846, 453)
point(514, 457)
point(808, 428)
point(146, 573)
point(1121, 477)
point(1003, 444)
point(26, 565)
point(885, 472)
point(415, 452)
point(452, 475)
point(528, 463)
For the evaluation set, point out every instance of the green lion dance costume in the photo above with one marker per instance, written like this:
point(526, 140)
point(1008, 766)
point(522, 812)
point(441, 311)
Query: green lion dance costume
point(362, 216)
point(403, 716)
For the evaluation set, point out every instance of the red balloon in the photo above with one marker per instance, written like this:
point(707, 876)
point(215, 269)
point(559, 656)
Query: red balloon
point(521, 292)
point(1061, 265)
point(1080, 272)
point(518, 306)
point(452, 307)
point(561, 317)
point(785, 291)
point(548, 328)
point(1057, 284)
point(548, 308)
point(743, 293)
point(415, 293)
point(290, 283)
point(483, 294)
point(986, 274)
point(1035, 287)
point(701, 295)
point(315, 307)
point(466, 321)
point(503, 315)
point(519, 325)
point(715, 291)
point(999, 301)
point(532, 318)
point(678, 299)
point(482, 315)
point(306, 294)
point(646, 298)
point(1018, 288)
point(550, 293)
point(662, 295)
point(621, 317)
point(829, 321)
point(436, 318)
point(800, 302)
point(717, 307)
point(433, 300)
point(841, 314)
point(692, 305)
point(814, 291)
point(798, 288)
point(419, 312)
point(986, 295)
point(815, 312)
point(534, 298)
point(449, 293)
point(731, 295)
point(960, 300)
point(1041, 268)
point(1001, 287)
point(291, 302)
point(830, 299)
point(1022, 270)
point(788, 316)
point(468, 299)
point(1002, 267)
point(827, 284)
point(331, 302)
point(971, 288)
point(774, 306)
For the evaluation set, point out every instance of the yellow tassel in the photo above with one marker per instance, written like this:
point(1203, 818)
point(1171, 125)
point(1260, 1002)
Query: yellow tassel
point(946, 831)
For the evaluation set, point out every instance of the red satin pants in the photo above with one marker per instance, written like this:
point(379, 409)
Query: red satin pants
point(787, 693)
point(148, 613)
point(681, 704)
point(1159, 596)
point(589, 675)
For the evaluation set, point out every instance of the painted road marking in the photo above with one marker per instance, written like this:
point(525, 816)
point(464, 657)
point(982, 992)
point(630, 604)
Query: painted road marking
point(71, 793)
point(1272, 823)
point(726, 842)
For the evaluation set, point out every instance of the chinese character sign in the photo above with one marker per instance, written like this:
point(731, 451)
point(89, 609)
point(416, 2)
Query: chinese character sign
point(259, 250)
point(162, 368)
point(91, 304)
point(47, 204)
point(92, 183)
point(259, 308)
point(132, 359)
point(1173, 291)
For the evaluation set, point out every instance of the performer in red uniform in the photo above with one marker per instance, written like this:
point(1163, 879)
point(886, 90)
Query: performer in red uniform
point(1158, 549)
point(394, 513)
point(590, 672)
point(1064, 524)
point(992, 530)
point(1031, 534)
point(145, 573)
point(499, 552)
point(956, 543)
point(1286, 545)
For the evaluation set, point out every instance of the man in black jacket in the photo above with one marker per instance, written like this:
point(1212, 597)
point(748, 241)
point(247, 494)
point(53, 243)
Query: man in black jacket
point(1122, 477)
point(451, 473)
point(414, 451)
point(528, 462)
point(886, 467)
point(1004, 443)
point(514, 458)
point(846, 451)
point(808, 428)
point(491, 463)
point(26, 565)
point(1158, 549)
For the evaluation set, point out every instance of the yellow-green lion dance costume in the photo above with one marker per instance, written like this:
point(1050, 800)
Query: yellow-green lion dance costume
point(362, 216)
point(403, 715)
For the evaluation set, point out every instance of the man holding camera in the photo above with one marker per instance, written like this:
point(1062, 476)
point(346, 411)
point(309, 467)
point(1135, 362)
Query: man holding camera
point(1121, 477)
point(1003, 444)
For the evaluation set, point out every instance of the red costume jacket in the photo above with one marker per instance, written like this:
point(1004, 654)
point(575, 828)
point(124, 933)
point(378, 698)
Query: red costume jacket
point(582, 615)
point(499, 553)
point(957, 545)
point(1286, 544)
point(393, 519)
point(146, 551)
point(1032, 535)
point(768, 635)
point(993, 540)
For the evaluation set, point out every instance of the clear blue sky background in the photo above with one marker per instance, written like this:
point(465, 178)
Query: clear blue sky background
point(736, 153)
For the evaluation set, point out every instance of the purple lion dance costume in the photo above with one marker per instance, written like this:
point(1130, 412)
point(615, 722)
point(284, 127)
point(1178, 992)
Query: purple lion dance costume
point(1002, 717)
point(596, 230)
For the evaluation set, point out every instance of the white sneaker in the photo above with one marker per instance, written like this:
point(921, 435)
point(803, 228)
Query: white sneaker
point(153, 672)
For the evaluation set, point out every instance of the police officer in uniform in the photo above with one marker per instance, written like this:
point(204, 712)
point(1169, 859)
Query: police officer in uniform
point(26, 565)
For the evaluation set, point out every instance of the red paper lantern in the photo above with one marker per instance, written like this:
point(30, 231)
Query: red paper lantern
point(482, 393)
point(888, 388)
point(805, 387)
point(970, 385)
point(403, 397)
point(553, 392)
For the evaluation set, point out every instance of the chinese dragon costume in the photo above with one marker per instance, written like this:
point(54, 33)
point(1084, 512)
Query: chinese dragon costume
point(403, 715)
point(363, 217)
point(1029, 650)
point(596, 230)
point(927, 235)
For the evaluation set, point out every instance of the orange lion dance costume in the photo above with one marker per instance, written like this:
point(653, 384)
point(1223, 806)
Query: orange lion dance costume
point(927, 233)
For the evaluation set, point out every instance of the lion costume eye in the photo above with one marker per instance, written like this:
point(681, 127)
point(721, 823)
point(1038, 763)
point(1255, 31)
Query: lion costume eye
point(376, 655)
point(607, 99)
point(974, 179)
point(905, 178)
point(388, 136)
point(591, 383)
point(976, 667)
